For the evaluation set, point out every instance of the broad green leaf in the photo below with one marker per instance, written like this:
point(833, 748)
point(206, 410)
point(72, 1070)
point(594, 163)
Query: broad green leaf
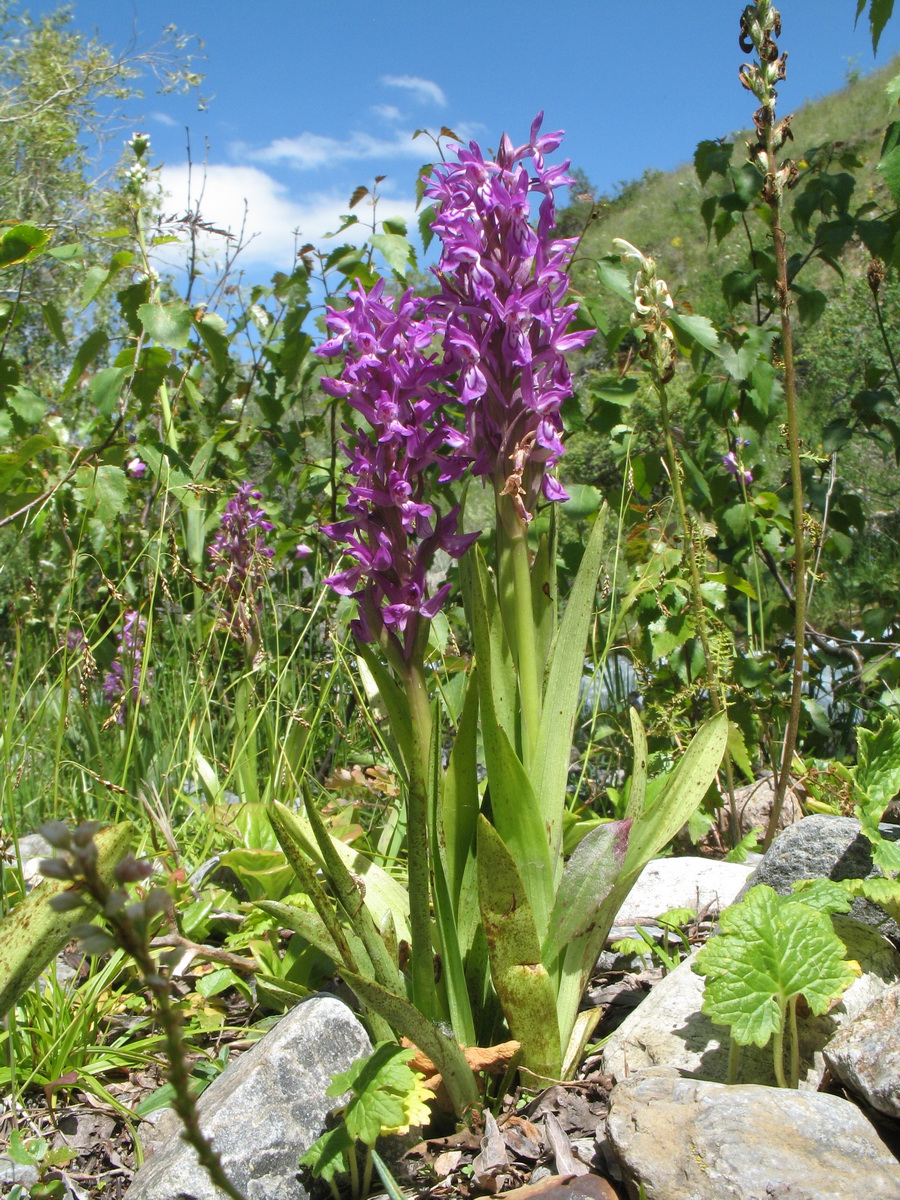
point(615, 278)
point(103, 490)
point(562, 694)
point(769, 949)
point(395, 250)
point(877, 772)
point(327, 1156)
point(696, 329)
point(525, 988)
point(264, 873)
point(168, 324)
point(105, 388)
point(879, 15)
point(89, 351)
point(824, 895)
point(54, 322)
point(584, 500)
point(21, 244)
point(588, 878)
point(27, 404)
point(379, 1082)
point(212, 331)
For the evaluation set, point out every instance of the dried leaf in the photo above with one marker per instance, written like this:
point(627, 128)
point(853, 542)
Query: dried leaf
point(566, 1162)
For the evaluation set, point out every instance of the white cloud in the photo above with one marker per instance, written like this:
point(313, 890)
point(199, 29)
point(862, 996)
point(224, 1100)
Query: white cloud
point(387, 111)
point(308, 151)
point(424, 90)
point(232, 193)
point(163, 118)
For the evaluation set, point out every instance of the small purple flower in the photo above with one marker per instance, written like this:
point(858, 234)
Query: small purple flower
point(301, 550)
point(127, 665)
point(136, 468)
point(240, 552)
point(733, 467)
point(503, 286)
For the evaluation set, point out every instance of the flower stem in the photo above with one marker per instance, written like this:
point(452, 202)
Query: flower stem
point(424, 992)
point(773, 194)
point(518, 615)
point(687, 532)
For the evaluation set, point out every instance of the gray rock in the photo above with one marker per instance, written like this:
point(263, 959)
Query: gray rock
point(668, 1028)
point(753, 805)
point(688, 882)
point(12, 1172)
point(265, 1110)
point(865, 1053)
point(684, 1139)
point(833, 847)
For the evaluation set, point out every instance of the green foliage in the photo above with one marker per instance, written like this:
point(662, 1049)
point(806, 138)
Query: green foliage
point(771, 950)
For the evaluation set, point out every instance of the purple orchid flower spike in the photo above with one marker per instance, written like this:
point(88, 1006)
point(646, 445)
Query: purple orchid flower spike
point(503, 286)
point(393, 379)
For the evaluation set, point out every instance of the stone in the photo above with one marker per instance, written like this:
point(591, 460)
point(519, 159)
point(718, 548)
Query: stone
point(832, 847)
point(668, 1029)
point(685, 1139)
point(864, 1054)
point(688, 882)
point(264, 1111)
point(753, 805)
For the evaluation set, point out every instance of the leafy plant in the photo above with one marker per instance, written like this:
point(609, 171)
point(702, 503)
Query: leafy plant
point(386, 1097)
point(770, 951)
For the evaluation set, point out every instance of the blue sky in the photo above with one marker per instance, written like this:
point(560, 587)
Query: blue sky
point(307, 98)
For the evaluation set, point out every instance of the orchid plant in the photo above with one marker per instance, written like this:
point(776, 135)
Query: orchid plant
point(501, 929)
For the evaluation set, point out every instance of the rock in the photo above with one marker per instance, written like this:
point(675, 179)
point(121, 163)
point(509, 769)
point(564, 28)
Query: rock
point(668, 1029)
point(753, 805)
point(689, 882)
point(12, 1172)
point(833, 847)
point(263, 1111)
point(683, 1139)
point(864, 1054)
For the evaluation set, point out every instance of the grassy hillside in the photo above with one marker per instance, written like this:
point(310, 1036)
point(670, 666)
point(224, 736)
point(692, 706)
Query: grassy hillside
point(661, 212)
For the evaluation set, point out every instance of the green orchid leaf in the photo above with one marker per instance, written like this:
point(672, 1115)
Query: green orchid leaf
point(544, 592)
point(562, 695)
point(513, 800)
point(352, 895)
point(459, 801)
point(383, 893)
point(770, 949)
point(588, 878)
point(638, 793)
point(406, 1019)
point(680, 795)
point(522, 982)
